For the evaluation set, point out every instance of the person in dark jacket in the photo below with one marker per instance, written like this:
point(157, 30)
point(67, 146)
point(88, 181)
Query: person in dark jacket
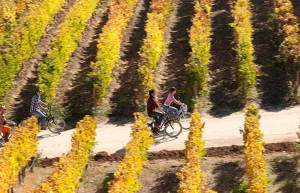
point(152, 107)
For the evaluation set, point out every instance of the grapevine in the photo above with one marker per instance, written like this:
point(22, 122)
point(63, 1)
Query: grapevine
point(64, 45)
point(191, 176)
point(23, 40)
point(254, 148)
point(18, 152)
point(200, 41)
point(127, 174)
point(70, 168)
point(154, 45)
point(109, 45)
point(289, 48)
point(246, 73)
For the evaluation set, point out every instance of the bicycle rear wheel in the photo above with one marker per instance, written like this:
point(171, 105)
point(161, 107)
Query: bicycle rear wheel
point(56, 124)
point(173, 128)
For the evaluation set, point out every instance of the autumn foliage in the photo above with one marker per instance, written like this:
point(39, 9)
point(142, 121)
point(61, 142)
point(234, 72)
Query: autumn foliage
point(154, 45)
point(108, 55)
point(246, 73)
point(289, 49)
point(70, 168)
point(64, 44)
point(21, 37)
point(191, 177)
point(200, 41)
point(127, 174)
point(16, 154)
point(254, 148)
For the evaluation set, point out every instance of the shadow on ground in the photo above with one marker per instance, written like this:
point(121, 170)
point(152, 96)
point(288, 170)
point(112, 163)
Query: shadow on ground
point(123, 100)
point(273, 85)
point(288, 174)
point(80, 98)
point(228, 176)
point(223, 94)
point(104, 188)
point(168, 182)
point(178, 52)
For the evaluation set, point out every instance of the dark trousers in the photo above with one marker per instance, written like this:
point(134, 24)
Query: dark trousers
point(158, 117)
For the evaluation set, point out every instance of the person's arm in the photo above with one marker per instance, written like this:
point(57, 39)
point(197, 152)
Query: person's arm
point(177, 102)
point(9, 122)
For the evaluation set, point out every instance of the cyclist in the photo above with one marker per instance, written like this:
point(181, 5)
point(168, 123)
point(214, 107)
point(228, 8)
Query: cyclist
point(35, 108)
point(5, 130)
point(167, 104)
point(152, 107)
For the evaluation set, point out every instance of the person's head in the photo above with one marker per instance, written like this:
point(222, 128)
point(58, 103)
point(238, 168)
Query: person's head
point(152, 92)
point(38, 92)
point(172, 90)
point(2, 109)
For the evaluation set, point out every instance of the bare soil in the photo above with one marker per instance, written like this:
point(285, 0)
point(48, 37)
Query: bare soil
point(223, 93)
point(76, 88)
point(25, 82)
point(171, 70)
point(122, 99)
point(234, 150)
point(159, 175)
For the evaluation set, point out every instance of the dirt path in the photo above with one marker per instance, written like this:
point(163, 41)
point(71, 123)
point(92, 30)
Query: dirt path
point(25, 81)
point(75, 88)
point(122, 98)
point(171, 71)
point(277, 126)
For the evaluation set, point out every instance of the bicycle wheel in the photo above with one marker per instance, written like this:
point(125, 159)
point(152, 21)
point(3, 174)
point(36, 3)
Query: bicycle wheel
point(56, 124)
point(173, 128)
point(185, 116)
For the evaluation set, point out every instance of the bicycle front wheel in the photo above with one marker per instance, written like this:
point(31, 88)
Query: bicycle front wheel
point(173, 128)
point(56, 124)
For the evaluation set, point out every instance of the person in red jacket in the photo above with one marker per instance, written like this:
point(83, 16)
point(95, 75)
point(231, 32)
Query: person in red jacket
point(4, 130)
point(152, 107)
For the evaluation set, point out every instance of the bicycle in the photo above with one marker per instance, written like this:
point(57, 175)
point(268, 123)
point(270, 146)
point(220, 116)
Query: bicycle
point(183, 113)
point(54, 121)
point(171, 127)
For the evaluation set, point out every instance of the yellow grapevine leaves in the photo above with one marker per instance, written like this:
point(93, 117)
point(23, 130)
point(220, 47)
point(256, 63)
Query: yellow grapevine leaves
point(154, 44)
point(109, 44)
point(191, 177)
point(289, 48)
point(254, 148)
point(200, 41)
point(17, 153)
point(70, 168)
point(127, 174)
point(23, 39)
point(64, 45)
point(244, 48)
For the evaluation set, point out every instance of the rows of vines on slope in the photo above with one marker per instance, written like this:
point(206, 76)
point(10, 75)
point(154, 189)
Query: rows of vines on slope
point(191, 177)
point(154, 45)
point(8, 14)
point(22, 42)
point(64, 45)
point(127, 174)
point(290, 46)
point(109, 45)
point(17, 153)
point(22, 5)
point(200, 41)
point(70, 168)
point(246, 73)
point(254, 148)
